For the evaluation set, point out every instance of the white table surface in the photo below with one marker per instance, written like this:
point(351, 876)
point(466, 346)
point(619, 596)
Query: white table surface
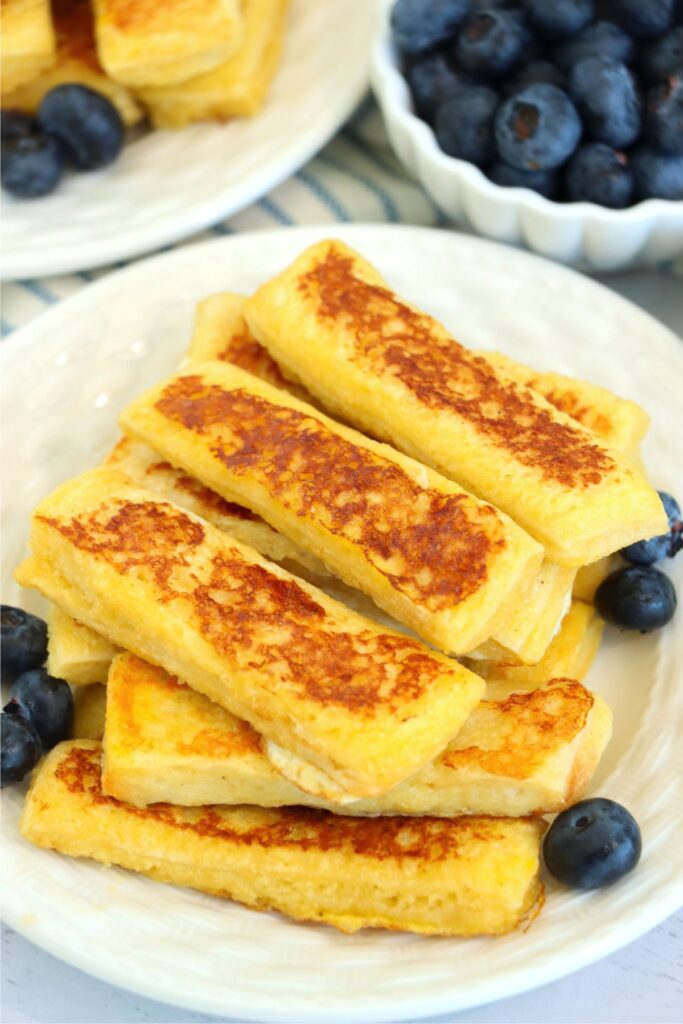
point(641, 983)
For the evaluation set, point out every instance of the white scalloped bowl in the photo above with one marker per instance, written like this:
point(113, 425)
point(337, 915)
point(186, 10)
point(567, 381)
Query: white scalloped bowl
point(580, 234)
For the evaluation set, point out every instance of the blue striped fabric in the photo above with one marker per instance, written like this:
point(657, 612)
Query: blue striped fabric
point(355, 178)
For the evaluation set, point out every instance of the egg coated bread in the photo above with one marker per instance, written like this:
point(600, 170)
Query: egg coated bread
point(530, 753)
point(146, 43)
point(27, 42)
point(356, 708)
point(236, 88)
point(76, 61)
point(436, 559)
point(332, 321)
point(461, 876)
point(570, 654)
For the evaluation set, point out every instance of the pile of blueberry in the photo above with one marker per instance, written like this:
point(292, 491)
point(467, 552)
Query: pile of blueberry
point(574, 99)
point(75, 126)
point(40, 710)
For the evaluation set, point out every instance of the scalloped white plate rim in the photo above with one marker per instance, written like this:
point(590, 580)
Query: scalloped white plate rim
point(30, 919)
point(302, 144)
point(384, 65)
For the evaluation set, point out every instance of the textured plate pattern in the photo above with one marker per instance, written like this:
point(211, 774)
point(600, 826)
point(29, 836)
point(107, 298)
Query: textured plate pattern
point(63, 380)
point(168, 184)
point(581, 234)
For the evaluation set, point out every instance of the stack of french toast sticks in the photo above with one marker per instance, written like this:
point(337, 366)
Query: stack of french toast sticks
point(336, 581)
point(178, 62)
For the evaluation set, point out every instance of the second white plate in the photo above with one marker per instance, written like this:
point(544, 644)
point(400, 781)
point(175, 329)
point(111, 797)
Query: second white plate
point(169, 184)
point(65, 377)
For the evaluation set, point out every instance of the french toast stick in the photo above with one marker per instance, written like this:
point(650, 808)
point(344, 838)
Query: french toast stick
point(332, 322)
point(424, 550)
point(75, 652)
point(81, 656)
point(27, 42)
point(151, 44)
point(569, 654)
point(530, 753)
point(75, 61)
point(236, 88)
point(462, 876)
point(349, 708)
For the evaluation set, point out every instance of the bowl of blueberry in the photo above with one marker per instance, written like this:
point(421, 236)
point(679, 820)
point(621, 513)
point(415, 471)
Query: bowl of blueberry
point(558, 126)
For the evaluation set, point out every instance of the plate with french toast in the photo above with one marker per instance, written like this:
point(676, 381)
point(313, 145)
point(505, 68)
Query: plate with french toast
point(167, 117)
point(339, 625)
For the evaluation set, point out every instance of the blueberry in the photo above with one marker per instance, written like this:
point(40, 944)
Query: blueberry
point(665, 57)
point(657, 175)
point(666, 545)
point(15, 124)
point(598, 174)
point(32, 165)
point(544, 182)
point(603, 39)
point(46, 702)
point(538, 128)
point(644, 18)
point(491, 42)
point(421, 25)
point(464, 124)
point(663, 124)
point(85, 122)
point(592, 844)
point(23, 640)
point(560, 17)
point(19, 748)
point(605, 93)
point(432, 80)
point(535, 72)
point(639, 597)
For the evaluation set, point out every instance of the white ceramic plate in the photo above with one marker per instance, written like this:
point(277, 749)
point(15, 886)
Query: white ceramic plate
point(169, 184)
point(64, 378)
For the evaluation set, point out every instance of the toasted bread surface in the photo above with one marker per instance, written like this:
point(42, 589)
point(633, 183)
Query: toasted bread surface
point(463, 876)
point(530, 617)
point(27, 42)
point(521, 755)
point(75, 61)
point(146, 467)
point(75, 652)
point(238, 87)
point(569, 655)
point(332, 321)
point(90, 704)
point(618, 421)
point(364, 705)
point(589, 577)
point(432, 556)
point(221, 332)
point(144, 43)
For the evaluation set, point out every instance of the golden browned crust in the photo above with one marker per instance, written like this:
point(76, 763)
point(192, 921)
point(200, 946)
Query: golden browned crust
point(437, 551)
point(389, 335)
point(243, 350)
point(204, 494)
point(537, 723)
point(241, 605)
point(420, 839)
point(211, 741)
point(140, 16)
point(74, 29)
